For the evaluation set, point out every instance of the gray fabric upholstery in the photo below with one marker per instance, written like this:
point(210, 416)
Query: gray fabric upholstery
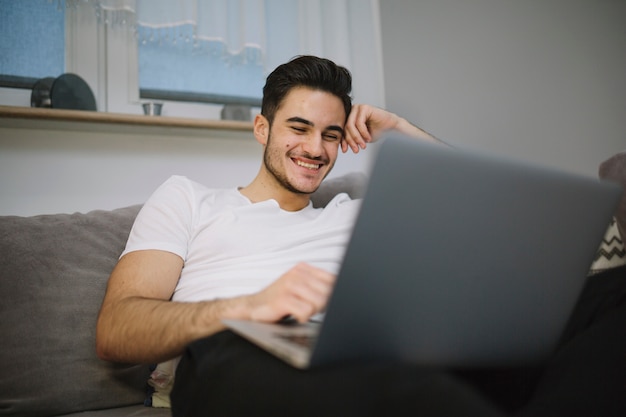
point(352, 183)
point(53, 275)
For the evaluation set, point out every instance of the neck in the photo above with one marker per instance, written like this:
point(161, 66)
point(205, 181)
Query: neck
point(263, 188)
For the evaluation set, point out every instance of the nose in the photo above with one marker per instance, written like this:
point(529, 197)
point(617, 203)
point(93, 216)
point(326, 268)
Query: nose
point(312, 145)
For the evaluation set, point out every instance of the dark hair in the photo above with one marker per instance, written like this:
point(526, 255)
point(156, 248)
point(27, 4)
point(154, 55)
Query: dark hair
point(306, 71)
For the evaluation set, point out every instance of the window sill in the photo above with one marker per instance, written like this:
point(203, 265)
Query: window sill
point(59, 119)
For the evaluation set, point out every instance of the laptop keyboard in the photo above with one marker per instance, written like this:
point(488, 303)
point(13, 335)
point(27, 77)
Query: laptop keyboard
point(304, 340)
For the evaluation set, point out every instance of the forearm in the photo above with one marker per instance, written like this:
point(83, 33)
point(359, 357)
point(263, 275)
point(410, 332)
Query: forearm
point(407, 128)
point(138, 323)
point(366, 124)
point(143, 330)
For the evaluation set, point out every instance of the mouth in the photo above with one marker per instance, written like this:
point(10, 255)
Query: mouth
point(308, 165)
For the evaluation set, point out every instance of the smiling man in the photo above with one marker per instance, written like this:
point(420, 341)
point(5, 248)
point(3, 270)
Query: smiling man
point(196, 256)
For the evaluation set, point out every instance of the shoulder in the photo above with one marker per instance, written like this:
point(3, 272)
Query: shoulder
point(182, 184)
point(182, 198)
point(183, 188)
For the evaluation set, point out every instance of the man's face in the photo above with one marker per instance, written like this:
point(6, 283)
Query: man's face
point(304, 139)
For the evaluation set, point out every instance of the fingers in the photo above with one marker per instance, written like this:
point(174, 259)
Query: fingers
point(301, 292)
point(308, 291)
point(356, 131)
point(364, 125)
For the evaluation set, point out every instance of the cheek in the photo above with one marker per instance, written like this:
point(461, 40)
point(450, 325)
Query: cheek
point(290, 143)
point(332, 149)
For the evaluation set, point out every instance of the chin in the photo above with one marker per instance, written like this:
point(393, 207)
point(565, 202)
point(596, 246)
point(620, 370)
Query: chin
point(305, 190)
point(305, 187)
point(307, 183)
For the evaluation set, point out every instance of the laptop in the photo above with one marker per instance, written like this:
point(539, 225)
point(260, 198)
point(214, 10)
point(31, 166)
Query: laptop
point(457, 259)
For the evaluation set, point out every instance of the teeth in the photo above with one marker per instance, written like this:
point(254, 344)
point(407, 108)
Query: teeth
point(309, 166)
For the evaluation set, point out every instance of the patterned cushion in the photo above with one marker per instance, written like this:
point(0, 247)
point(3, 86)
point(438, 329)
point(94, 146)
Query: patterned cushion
point(614, 169)
point(611, 252)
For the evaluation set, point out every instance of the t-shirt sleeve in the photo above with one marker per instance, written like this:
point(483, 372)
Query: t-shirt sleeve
point(165, 220)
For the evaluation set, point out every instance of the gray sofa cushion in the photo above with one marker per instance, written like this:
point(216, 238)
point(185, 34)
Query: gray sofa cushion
point(53, 274)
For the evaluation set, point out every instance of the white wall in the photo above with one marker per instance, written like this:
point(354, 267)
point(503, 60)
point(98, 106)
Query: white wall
point(52, 167)
point(542, 80)
point(50, 171)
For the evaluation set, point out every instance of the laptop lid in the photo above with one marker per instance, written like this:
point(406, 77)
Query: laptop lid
point(462, 259)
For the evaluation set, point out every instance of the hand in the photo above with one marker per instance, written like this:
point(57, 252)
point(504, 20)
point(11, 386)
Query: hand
point(301, 292)
point(365, 124)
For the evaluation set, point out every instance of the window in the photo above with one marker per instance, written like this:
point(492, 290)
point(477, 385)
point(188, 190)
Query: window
point(128, 51)
point(32, 46)
point(211, 50)
point(32, 38)
point(192, 69)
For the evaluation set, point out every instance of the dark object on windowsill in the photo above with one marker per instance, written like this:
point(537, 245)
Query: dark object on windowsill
point(237, 112)
point(70, 91)
point(40, 95)
point(152, 108)
point(67, 91)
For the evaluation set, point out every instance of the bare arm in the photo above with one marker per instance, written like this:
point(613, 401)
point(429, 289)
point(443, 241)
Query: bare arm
point(138, 323)
point(365, 124)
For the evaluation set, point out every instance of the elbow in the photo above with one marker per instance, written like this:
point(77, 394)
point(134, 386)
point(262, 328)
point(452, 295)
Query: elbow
point(105, 345)
point(102, 353)
point(103, 349)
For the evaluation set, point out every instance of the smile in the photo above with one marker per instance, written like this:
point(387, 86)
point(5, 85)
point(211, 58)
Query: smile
point(307, 165)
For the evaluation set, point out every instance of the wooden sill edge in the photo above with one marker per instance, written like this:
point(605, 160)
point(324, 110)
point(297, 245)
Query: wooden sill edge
point(62, 115)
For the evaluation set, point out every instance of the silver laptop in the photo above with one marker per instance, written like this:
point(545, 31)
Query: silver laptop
point(457, 259)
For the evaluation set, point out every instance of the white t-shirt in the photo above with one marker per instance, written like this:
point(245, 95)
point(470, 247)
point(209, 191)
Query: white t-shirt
point(233, 247)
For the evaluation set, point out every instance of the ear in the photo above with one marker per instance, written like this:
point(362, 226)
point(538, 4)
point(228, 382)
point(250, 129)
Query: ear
point(261, 129)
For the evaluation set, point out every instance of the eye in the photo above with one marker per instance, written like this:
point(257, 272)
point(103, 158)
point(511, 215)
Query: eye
point(332, 137)
point(298, 129)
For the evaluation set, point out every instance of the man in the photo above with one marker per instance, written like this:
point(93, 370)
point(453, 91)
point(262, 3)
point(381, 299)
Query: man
point(196, 256)
point(301, 128)
point(262, 252)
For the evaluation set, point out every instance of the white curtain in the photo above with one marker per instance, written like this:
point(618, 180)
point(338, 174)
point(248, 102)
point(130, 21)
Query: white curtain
point(225, 27)
point(262, 32)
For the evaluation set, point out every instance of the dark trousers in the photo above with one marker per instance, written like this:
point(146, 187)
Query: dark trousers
point(223, 375)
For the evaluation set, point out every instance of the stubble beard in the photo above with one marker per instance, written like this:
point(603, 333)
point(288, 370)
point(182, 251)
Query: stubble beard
point(280, 176)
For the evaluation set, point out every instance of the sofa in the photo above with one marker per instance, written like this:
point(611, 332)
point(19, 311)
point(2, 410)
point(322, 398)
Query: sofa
point(53, 275)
